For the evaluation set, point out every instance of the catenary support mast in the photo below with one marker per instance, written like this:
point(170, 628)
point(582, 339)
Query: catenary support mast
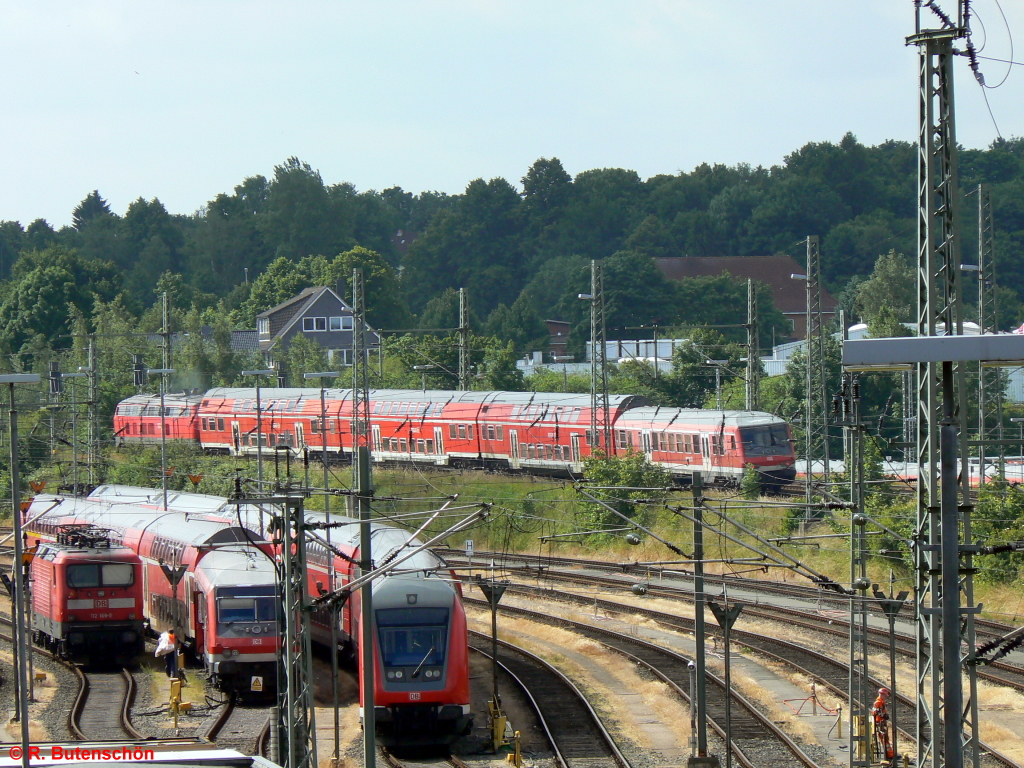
point(947, 715)
point(990, 380)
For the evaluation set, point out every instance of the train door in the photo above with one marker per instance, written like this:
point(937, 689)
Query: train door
point(705, 451)
point(647, 444)
point(236, 437)
point(439, 441)
point(300, 437)
point(199, 612)
point(513, 437)
point(375, 430)
point(575, 440)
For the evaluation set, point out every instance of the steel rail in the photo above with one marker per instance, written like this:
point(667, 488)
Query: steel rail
point(616, 754)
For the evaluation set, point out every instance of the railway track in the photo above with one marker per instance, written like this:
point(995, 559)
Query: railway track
point(757, 741)
point(102, 709)
point(241, 727)
point(578, 737)
point(542, 565)
point(824, 670)
point(998, 673)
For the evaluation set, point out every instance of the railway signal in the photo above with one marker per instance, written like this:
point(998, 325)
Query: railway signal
point(493, 591)
point(726, 617)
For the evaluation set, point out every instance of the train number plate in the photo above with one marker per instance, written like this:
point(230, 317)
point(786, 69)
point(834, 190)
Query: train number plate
point(100, 604)
point(414, 696)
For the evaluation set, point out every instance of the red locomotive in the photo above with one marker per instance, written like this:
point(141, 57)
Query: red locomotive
point(537, 432)
point(87, 596)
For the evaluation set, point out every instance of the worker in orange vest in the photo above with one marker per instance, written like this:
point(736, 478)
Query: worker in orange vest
point(881, 717)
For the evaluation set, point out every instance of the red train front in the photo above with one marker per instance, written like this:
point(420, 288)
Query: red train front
point(87, 596)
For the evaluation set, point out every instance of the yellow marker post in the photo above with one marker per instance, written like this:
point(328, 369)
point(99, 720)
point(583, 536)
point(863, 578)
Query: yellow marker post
point(175, 699)
point(516, 757)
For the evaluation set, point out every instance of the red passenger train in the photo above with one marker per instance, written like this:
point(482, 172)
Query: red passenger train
point(537, 432)
point(185, 573)
point(227, 602)
point(87, 596)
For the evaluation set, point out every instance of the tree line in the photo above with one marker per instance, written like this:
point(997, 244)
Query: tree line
point(521, 251)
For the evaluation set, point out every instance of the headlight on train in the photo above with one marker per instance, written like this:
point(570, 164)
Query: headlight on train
point(128, 637)
point(391, 674)
point(399, 675)
point(131, 615)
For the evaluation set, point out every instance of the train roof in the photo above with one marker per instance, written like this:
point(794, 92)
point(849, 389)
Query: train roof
point(238, 566)
point(170, 398)
point(180, 501)
point(698, 417)
point(173, 525)
point(430, 396)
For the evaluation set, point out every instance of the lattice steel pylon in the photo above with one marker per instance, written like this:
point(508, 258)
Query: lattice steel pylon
point(295, 687)
point(362, 492)
point(858, 691)
point(753, 350)
point(816, 382)
point(600, 418)
point(360, 366)
point(464, 361)
point(944, 600)
point(990, 380)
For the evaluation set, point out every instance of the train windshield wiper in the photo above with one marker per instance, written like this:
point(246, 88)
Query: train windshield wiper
point(416, 672)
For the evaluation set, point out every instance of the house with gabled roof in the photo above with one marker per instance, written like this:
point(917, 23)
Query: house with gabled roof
point(319, 314)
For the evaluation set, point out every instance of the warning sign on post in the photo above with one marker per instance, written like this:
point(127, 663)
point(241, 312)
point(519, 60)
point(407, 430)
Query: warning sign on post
point(469, 547)
point(257, 684)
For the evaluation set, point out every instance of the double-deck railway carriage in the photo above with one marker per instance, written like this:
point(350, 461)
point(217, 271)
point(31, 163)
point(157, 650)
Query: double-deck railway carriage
point(536, 432)
point(421, 679)
point(168, 540)
point(138, 420)
point(87, 595)
point(237, 618)
point(719, 444)
point(426, 702)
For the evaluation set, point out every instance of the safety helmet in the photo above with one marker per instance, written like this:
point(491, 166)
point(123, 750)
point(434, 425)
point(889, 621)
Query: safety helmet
point(883, 691)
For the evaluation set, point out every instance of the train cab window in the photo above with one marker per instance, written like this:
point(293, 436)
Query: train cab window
point(765, 440)
point(100, 575)
point(412, 637)
point(245, 609)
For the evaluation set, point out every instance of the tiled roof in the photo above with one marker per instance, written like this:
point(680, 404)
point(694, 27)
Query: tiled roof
point(790, 295)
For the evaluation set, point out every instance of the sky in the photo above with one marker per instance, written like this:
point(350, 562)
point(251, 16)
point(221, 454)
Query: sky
point(183, 100)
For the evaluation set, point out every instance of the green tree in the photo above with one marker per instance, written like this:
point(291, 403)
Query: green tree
point(302, 355)
point(892, 284)
point(499, 368)
point(605, 475)
point(519, 325)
